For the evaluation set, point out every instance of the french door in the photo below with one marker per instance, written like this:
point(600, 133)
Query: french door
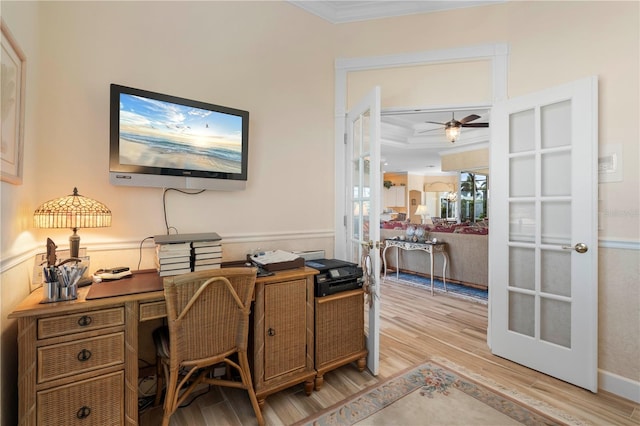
point(363, 207)
point(543, 265)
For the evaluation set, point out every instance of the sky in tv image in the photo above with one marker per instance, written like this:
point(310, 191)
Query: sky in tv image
point(163, 134)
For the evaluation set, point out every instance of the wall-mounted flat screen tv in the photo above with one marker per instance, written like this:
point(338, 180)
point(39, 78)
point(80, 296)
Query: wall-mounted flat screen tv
point(170, 142)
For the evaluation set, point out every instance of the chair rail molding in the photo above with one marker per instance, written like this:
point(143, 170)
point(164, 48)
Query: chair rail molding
point(28, 254)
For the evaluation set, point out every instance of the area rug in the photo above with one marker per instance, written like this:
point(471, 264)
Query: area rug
point(435, 394)
point(458, 290)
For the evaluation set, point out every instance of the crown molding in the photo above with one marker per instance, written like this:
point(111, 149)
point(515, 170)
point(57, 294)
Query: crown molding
point(340, 12)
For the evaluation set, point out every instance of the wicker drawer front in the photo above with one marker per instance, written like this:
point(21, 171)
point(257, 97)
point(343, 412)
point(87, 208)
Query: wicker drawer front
point(84, 355)
point(79, 322)
point(98, 401)
point(153, 310)
point(339, 326)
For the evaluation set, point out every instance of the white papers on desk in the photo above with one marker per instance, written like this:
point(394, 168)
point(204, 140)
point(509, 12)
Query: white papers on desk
point(275, 256)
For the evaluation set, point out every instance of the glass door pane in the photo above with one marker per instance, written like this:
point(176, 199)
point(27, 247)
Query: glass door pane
point(540, 214)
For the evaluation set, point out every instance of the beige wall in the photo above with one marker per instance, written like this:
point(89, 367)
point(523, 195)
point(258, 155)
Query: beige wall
point(277, 61)
point(423, 85)
point(466, 161)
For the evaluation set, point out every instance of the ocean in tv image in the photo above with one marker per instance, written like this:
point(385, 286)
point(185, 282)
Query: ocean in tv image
point(163, 134)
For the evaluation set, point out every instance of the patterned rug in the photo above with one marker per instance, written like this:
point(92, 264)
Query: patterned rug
point(458, 290)
point(435, 394)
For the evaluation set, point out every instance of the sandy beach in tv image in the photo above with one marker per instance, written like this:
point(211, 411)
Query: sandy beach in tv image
point(162, 134)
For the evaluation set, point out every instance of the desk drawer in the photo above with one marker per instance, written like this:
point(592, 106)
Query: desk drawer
point(66, 359)
point(79, 322)
point(153, 310)
point(98, 401)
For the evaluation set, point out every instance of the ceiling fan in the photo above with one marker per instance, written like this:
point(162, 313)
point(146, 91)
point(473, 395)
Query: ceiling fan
point(452, 127)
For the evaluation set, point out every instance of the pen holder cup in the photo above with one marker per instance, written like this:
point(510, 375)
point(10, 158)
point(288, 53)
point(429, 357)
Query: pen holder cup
point(69, 292)
point(51, 291)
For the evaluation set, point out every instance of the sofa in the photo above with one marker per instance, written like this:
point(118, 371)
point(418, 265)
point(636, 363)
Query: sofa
point(467, 247)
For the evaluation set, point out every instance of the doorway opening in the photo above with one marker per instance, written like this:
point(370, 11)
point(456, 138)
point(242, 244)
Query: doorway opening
point(495, 55)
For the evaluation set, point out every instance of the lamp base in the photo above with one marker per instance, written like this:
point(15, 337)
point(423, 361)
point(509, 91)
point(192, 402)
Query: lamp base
point(74, 244)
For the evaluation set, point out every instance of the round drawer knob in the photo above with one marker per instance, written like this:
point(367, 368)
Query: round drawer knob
point(84, 355)
point(83, 412)
point(84, 320)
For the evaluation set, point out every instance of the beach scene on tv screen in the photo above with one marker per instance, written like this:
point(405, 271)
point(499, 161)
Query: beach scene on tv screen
point(155, 133)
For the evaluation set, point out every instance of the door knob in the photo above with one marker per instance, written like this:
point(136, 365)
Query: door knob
point(580, 248)
point(367, 244)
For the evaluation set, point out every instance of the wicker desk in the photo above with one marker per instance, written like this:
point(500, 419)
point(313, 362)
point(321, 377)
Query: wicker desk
point(427, 247)
point(78, 360)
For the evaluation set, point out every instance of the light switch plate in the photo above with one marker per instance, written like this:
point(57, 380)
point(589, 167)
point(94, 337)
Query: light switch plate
point(610, 163)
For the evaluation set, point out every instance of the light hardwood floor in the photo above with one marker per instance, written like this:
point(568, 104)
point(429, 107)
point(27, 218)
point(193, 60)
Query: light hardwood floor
point(414, 327)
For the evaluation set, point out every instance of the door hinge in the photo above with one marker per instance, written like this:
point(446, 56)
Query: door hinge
point(345, 138)
point(344, 221)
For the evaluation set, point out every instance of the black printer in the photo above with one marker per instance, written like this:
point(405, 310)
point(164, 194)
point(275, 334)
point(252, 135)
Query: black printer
point(335, 276)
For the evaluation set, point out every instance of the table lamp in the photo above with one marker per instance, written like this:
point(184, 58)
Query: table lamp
point(73, 211)
point(422, 211)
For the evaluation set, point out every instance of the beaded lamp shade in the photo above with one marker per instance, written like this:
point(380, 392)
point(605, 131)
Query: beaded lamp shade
point(73, 211)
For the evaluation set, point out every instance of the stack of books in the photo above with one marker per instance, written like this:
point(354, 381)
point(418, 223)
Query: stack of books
point(173, 258)
point(206, 255)
point(182, 253)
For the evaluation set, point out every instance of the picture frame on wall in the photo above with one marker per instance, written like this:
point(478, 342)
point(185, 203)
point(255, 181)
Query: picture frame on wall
point(12, 75)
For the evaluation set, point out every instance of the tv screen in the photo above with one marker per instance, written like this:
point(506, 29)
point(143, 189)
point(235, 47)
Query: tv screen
point(166, 141)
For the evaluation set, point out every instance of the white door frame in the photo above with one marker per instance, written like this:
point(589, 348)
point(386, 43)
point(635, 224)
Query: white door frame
point(497, 54)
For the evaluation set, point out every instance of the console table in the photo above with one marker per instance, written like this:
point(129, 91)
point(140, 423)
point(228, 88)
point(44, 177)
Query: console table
point(427, 247)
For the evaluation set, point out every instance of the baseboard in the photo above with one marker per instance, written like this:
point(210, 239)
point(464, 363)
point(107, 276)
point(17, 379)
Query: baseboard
point(618, 385)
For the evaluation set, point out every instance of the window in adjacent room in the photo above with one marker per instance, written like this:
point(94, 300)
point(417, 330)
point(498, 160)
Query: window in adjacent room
point(473, 196)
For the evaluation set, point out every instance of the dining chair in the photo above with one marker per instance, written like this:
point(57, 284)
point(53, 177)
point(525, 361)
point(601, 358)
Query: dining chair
point(207, 324)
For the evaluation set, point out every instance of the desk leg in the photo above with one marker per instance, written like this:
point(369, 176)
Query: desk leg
point(131, 364)
point(27, 362)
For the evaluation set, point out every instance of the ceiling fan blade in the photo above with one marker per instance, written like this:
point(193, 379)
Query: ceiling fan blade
point(429, 130)
point(476, 125)
point(435, 122)
point(469, 118)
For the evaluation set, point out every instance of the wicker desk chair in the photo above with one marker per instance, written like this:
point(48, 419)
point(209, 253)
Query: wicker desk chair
point(208, 322)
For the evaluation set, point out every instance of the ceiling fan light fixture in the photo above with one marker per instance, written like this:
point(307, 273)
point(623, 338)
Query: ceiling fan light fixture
point(452, 131)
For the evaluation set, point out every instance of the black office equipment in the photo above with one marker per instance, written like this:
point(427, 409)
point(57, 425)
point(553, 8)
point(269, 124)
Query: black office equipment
point(335, 276)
